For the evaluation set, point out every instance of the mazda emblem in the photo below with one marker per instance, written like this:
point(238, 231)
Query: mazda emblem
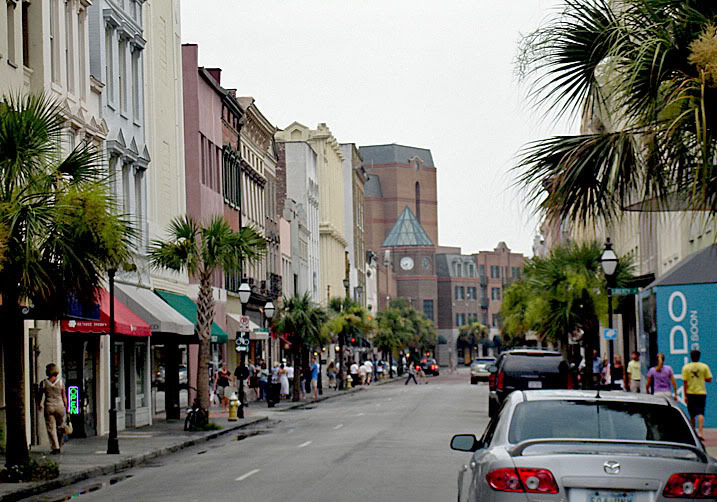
point(611, 467)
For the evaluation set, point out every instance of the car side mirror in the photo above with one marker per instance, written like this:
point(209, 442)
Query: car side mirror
point(465, 442)
point(493, 369)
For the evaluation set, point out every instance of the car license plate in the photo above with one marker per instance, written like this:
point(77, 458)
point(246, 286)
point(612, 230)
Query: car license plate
point(610, 497)
point(532, 384)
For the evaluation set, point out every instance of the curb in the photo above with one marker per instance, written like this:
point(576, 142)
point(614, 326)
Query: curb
point(70, 479)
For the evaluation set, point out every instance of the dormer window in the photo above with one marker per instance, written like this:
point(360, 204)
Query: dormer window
point(417, 164)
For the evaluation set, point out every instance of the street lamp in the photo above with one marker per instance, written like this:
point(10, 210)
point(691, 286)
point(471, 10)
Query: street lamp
point(359, 293)
point(244, 295)
point(269, 310)
point(608, 261)
point(112, 439)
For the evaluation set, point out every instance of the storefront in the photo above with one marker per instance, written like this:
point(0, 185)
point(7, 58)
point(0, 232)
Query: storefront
point(171, 334)
point(679, 314)
point(85, 359)
point(188, 309)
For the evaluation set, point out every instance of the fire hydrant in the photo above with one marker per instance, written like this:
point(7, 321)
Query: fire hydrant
point(233, 407)
point(348, 381)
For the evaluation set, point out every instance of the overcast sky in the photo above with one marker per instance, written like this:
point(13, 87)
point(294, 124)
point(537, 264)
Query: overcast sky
point(424, 73)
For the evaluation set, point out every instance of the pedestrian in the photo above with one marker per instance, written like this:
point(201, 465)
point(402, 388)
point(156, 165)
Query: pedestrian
point(411, 374)
point(290, 374)
point(634, 372)
point(617, 373)
point(661, 379)
point(283, 381)
point(694, 376)
point(263, 382)
point(221, 382)
point(254, 380)
point(597, 368)
point(369, 371)
point(275, 385)
point(52, 389)
point(355, 374)
point(421, 374)
point(331, 373)
point(314, 378)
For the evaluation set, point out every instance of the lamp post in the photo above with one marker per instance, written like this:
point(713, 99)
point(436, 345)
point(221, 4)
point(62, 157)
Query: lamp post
point(269, 310)
point(244, 294)
point(112, 440)
point(608, 261)
point(342, 337)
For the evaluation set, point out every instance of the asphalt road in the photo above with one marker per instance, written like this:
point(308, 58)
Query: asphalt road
point(390, 442)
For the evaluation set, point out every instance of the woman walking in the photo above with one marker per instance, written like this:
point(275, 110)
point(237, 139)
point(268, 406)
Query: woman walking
point(331, 373)
point(284, 381)
point(661, 379)
point(53, 390)
point(617, 373)
point(221, 383)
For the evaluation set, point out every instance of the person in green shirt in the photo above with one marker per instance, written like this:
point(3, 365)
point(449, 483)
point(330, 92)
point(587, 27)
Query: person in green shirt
point(694, 376)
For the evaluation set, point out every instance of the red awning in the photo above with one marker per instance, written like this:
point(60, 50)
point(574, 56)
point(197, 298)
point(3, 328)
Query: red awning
point(126, 322)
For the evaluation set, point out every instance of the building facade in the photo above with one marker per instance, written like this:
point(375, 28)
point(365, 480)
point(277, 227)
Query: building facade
point(355, 177)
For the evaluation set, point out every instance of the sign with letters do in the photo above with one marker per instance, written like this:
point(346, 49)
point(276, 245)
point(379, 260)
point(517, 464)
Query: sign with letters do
point(687, 320)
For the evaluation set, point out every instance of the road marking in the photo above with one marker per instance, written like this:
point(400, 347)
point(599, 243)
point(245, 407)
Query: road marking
point(338, 426)
point(304, 444)
point(250, 473)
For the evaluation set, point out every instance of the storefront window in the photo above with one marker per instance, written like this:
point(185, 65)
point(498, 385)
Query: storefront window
point(140, 351)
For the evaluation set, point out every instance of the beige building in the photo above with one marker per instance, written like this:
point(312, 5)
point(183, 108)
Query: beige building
point(355, 178)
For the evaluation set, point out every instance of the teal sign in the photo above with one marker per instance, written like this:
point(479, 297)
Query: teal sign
point(687, 320)
point(609, 334)
point(73, 400)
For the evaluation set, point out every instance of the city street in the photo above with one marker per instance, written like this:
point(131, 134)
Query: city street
point(390, 442)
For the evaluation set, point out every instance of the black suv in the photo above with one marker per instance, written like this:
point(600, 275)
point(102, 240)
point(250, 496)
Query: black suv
point(525, 369)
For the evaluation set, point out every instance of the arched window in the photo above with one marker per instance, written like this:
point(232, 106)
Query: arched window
point(418, 201)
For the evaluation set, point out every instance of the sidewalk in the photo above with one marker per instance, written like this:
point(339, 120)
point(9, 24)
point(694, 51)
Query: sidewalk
point(86, 458)
point(710, 441)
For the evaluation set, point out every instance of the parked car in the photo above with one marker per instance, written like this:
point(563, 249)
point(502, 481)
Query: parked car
point(586, 446)
point(524, 369)
point(480, 369)
point(430, 367)
point(159, 377)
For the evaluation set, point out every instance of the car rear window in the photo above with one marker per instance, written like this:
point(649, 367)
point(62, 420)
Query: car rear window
point(534, 363)
point(598, 420)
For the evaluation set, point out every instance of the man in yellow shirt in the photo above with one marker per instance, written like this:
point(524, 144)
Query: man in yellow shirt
point(694, 376)
point(634, 373)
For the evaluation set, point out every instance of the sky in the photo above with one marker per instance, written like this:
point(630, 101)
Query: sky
point(424, 73)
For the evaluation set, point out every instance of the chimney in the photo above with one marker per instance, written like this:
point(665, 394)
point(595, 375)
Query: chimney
point(216, 74)
point(232, 93)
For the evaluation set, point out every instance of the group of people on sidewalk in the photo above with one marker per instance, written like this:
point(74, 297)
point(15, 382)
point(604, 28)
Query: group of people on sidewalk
point(366, 372)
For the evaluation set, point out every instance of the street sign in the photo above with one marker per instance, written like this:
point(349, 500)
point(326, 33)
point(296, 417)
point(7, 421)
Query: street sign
point(624, 291)
point(244, 323)
point(261, 330)
point(609, 334)
point(242, 342)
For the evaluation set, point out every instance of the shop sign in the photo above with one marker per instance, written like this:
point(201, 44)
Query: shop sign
point(686, 317)
point(73, 400)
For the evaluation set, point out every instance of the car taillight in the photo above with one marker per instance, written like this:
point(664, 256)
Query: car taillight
point(691, 486)
point(501, 380)
point(522, 480)
point(433, 366)
point(491, 381)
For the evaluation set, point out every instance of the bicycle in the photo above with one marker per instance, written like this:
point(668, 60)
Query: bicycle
point(197, 417)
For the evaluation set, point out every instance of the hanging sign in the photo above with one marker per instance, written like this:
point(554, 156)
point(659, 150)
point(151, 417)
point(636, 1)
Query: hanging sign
point(73, 400)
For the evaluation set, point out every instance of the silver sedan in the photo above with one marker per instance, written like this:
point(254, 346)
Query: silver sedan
point(580, 446)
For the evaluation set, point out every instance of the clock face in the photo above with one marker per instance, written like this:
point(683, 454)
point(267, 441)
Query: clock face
point(426, 263)
point(406, 263)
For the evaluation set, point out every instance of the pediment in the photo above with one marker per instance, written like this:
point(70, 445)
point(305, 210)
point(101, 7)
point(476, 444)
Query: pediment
point(133, 147)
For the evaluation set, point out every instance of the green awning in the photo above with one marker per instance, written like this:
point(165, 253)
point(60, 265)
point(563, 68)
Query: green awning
point(186, 306)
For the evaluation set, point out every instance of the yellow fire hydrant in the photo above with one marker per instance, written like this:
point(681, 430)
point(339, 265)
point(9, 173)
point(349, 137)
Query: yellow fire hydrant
point(233, 407)
point(348, 381)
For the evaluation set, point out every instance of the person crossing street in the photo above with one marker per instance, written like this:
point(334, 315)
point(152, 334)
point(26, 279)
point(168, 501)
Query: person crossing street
point(411, 374)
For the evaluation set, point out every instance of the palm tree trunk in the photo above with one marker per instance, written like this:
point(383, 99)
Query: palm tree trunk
point(296, 358)
point(17, 450)
point(205, 316)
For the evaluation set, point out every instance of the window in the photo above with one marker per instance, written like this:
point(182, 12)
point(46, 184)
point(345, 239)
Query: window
point(109, 69)
point(495, 322)
point(418, 198)
point(481, 269)
point(460, 293)
point(428, 309)
point(135, 86)
point(69, 42)
point(26, 34)
point(123, 75)
point(11, 32)
point(483, 292)
point(494, 272)
point(471, 293)
point(54, 70)
point(139, 205)
point(460, 319)
point(459, 270)
point(81, 47)
point(484, 319)
point(515, 273)
point(495, 293)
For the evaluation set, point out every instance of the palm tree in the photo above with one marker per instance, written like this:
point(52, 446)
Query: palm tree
point(59, 232)
point(302, 320)
point(422, 332)
point(565, 293)
point(470, 335)
point(348, 320)
point(644, 73)
point(202, 251)
point(392, 332)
